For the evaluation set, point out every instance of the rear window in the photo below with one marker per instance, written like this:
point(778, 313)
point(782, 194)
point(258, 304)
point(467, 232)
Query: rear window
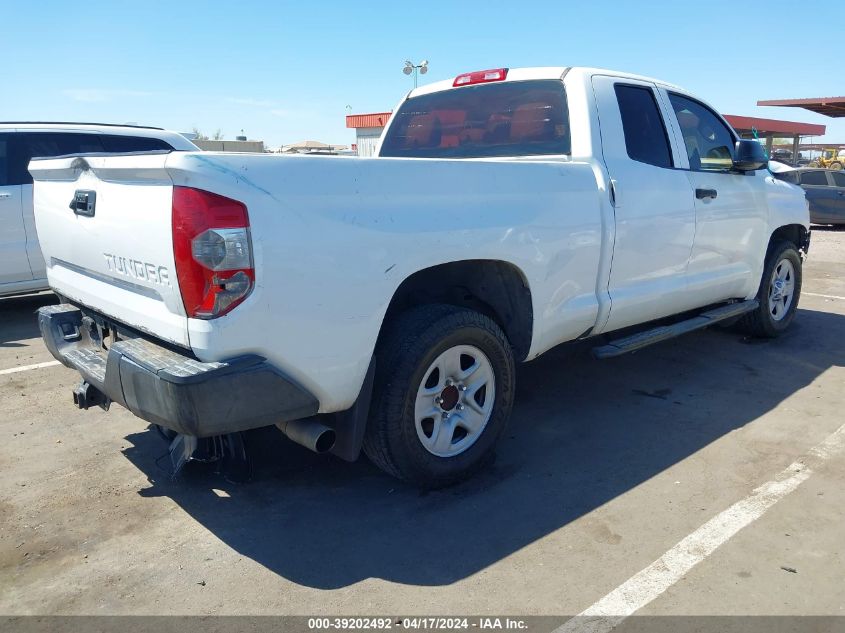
point(115, 143)
point(519, 118)
point(47, 145)
point(4, 160)
point(50, 144)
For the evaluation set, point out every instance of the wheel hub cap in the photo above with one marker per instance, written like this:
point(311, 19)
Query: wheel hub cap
point(455, 400)
point(449, 398)
point(781, 289)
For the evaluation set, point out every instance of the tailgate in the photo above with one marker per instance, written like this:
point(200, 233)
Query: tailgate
point(114, 251)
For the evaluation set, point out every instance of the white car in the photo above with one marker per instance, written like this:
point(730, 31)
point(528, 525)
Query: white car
point(22, 266)
point(383, 302)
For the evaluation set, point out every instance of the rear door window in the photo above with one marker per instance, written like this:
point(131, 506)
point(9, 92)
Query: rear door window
point(646, 139)
point(814, 178)
point(519, 118)
point(838, 179)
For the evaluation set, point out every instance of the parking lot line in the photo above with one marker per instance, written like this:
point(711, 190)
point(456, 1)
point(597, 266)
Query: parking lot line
point(15, 370)
point(815, 294)
point(646, 585)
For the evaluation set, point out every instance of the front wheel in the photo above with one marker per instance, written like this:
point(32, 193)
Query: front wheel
point(780, 288)
point(443, 395)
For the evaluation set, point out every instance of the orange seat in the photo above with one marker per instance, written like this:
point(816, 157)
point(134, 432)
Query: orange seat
point(421, 131)
point(532, 122)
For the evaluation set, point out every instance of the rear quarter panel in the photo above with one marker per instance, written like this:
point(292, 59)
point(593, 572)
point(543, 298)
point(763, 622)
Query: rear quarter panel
point(333, 238)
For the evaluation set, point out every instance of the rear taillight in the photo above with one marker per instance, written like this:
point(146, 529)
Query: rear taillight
point(213, 252)
point(480, 77)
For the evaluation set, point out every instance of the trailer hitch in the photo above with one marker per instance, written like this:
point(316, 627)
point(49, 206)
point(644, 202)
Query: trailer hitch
point(86, 395)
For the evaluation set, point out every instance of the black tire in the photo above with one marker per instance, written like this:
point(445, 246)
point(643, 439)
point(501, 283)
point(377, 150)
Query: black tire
point(836, 165)
point(761, 323)
point(407, 347)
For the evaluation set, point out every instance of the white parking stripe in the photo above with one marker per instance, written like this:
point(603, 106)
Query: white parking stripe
point(15, 370)
point(815, 294)
point(648, 584)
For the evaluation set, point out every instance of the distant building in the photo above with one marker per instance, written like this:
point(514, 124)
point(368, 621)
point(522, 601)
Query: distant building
point(230, 146)
point(368, 129)
point(313, 147)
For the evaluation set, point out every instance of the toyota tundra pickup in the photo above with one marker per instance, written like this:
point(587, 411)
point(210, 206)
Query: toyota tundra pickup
point(382, 303)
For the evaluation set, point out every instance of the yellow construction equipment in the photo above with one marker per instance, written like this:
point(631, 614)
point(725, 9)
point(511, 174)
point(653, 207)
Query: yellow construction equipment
point(830, 159)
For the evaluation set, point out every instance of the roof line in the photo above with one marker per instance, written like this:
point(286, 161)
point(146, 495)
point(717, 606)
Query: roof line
point(142, 127)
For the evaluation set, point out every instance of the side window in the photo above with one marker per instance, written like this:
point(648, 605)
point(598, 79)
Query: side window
point(709, 142)
point(49, 144)
point(645, 134)
point(814, 178)
point(838, 179)
point(5, 152)
point(120, 144)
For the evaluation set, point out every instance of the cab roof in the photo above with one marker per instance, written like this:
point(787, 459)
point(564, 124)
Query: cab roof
point(543, 72)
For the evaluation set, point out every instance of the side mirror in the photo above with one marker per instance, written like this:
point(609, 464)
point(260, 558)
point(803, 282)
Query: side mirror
point(749, 155)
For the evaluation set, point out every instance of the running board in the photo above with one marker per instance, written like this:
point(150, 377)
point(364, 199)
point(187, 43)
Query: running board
point(661, 333)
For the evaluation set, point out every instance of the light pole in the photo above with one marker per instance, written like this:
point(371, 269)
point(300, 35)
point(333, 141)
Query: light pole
point(410, 67)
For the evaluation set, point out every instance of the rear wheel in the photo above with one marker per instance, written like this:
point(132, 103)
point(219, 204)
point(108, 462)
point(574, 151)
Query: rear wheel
point(443, 395)
point(836, 165)
point(780, 288)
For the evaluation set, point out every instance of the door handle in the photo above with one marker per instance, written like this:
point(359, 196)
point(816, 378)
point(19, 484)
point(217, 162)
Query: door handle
point(614, 194)
point(5, 195)
point(703, 194)
point(83, 202)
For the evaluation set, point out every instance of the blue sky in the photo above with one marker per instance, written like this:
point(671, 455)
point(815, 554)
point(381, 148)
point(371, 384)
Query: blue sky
point(286, 71)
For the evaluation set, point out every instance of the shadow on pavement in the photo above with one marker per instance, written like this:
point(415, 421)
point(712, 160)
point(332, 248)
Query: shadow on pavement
point(583, 432)
point(17, 316)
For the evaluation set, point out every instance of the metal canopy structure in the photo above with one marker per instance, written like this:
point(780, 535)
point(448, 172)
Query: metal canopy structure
point(773, 127)
point(770, 129)
point(828, 106)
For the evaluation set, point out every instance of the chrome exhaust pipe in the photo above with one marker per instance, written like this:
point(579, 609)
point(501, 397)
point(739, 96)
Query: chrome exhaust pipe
point(310, 433)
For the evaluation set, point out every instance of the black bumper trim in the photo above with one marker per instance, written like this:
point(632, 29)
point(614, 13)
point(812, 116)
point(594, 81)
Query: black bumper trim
point(172, 389)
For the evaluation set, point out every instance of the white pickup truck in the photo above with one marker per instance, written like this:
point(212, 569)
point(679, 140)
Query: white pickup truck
point(382, 303)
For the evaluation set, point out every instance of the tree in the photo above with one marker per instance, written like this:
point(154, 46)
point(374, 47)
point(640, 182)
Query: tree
point(217, 136)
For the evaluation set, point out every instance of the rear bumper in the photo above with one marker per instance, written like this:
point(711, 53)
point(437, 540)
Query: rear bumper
point(173, 389)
